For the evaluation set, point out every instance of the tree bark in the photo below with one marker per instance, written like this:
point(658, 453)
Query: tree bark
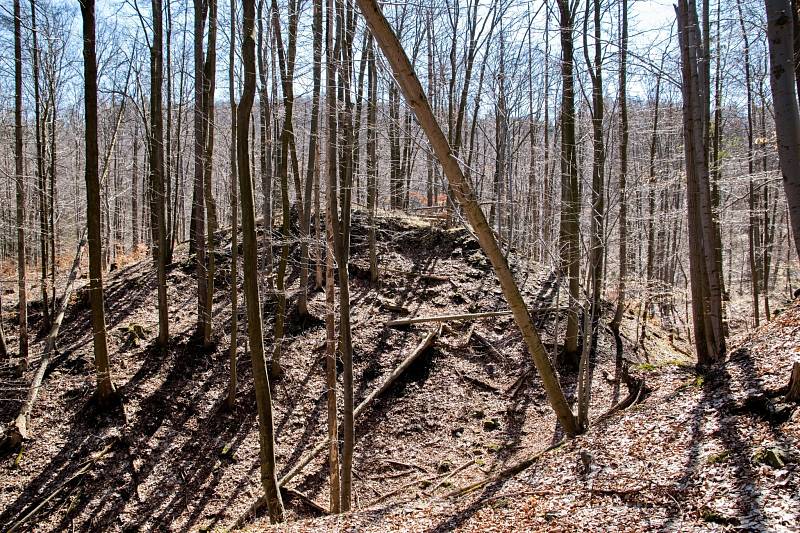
point(105, 386)
point(198, 229)
point(570, 195)
point(157, 168)
point(269, 480)
point(234, 203)
point(20, 188)
point(787, 113)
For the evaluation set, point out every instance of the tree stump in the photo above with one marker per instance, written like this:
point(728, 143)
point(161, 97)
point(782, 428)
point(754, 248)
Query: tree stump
point(794, 383)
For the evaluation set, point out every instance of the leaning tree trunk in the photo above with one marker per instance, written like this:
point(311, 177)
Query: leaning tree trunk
point(787, 113)
point(415, 96)
point(269, 480)
point(19, 431)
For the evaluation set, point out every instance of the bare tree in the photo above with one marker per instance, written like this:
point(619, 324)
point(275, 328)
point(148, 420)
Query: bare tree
point(157, 167)
point(20, 186)
point(787, 113)
point(269, 480)
point(105, 386)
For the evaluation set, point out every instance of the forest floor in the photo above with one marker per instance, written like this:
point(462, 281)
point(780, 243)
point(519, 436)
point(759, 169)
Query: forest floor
point(697, 452)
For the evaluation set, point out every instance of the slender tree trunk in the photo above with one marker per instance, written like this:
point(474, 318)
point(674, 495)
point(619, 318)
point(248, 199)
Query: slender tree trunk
point(157, 167)
point(209, 81)
point(135, 190)
point(312, 160)
point(40, 170)
point(623, 169)
point(372, 159)
point(234, 214)
point(269, 481)
point(570, 224)
point(20, 187)
point(198, 229)
point(105, 386)
point(596, 251)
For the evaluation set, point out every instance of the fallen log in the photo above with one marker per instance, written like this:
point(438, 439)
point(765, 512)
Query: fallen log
point(19, 432)
point(465, 316)
point(260, 503)
point(80, 473)
point(444, 318)
point(506, 472)
point(426, 343)
point(489, 346)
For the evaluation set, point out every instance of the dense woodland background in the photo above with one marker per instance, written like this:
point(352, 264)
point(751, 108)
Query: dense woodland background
point(622, 154)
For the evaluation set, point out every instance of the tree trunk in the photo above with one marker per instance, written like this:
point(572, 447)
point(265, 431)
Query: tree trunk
point(787, 113)
point(706, 294)
point(157, 168)
point(623, 170)
point(302, 303)
point(372, 159)
point(20, 187)
point(570, 210)
point(105, 386)
point(209, 81)
point(269, 480)
point(41, 179)
point(234, 212)
point(198, 229)
point(20, 431)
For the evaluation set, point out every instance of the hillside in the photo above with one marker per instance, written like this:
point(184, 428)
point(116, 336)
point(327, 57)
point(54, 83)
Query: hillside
point(693, 452)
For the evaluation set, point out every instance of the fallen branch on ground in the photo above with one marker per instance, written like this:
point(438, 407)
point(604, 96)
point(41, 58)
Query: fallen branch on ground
point(426, 343)
point(423, 346)
point(636, 388)
point(18, 431)
point(83, 470)
point(505, 473)
point(465, 316)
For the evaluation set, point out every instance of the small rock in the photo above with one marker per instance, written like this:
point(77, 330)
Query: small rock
point(492, 424)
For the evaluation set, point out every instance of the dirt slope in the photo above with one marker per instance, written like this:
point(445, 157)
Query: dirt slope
point(178, 461)
point(698, 454)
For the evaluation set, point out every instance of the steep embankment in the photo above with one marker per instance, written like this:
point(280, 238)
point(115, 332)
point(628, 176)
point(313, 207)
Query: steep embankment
point(467, 408)
point(717, 451)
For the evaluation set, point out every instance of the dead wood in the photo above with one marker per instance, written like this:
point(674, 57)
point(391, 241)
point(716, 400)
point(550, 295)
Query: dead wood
point(479, 382)
point(488, 345)
point(423, 346)
point(445, 479)
point(465, 316)
point(292, 493)
point(794, 383)
point(444, 318)
point(506, 472)
point(19, 431)
point(636, 389)
point(80, 473)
